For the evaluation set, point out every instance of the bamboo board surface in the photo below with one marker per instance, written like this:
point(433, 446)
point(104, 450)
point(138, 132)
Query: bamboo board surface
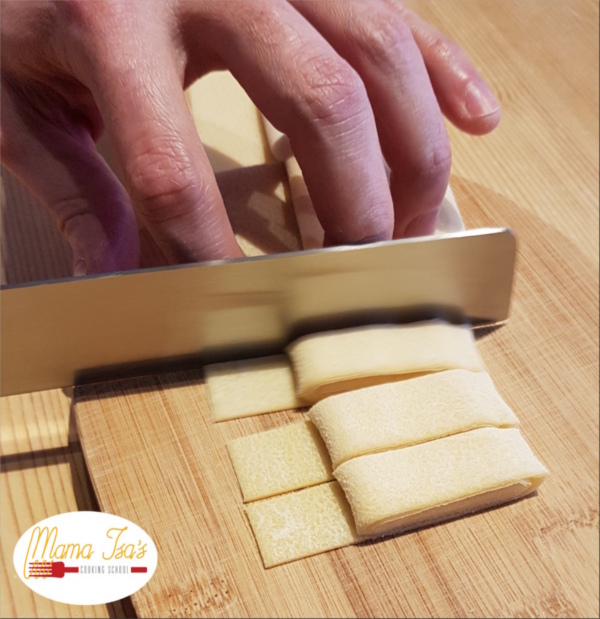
point(538, 173)
point(156, 458)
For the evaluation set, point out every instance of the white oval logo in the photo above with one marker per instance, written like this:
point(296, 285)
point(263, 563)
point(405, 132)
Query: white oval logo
point(85, 558)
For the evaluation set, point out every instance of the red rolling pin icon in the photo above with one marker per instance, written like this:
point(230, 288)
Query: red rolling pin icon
point(57, 569)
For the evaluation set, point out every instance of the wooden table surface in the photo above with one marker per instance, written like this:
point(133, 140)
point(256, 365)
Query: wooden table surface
point(538, 173)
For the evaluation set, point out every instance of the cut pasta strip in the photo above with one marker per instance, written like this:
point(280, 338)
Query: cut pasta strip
point(251, 387)
point(412, 411)
point(300, 524)
point(397, 490)
point(280, 460)
point(329, 363)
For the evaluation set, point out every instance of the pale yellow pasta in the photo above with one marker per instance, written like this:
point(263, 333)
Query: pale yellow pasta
point(281, 460)
point(412, 411)
point(300, 524)
point(393, 491)
point(250, 387)
point(336, 361)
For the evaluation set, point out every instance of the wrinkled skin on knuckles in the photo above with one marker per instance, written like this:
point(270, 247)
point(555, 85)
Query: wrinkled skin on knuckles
point(351, 82)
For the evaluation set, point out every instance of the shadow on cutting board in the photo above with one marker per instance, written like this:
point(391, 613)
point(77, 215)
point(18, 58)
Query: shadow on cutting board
point(47, 460)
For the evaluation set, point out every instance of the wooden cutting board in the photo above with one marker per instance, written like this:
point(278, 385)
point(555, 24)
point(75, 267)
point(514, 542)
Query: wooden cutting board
point(156, 458)
point(539, 557)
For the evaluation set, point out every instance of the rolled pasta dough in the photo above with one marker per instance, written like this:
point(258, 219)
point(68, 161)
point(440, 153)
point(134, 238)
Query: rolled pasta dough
point(251, 387)
point(300, 524)
point(397, 490)
point(404, 413)
point(336, 361)
point(280, 460)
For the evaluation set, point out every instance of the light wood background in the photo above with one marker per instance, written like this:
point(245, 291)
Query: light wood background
point(538, 173)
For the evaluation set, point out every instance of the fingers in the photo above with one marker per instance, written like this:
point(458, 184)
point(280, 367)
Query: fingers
point(375, 40)
point(345, 80)
point(53, 154)
point(137, 84)
point(314, 96)
point(464, 97)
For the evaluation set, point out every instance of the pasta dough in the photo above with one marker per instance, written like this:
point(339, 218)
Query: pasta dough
point(397, 490)
point(437, 443)
point(407, 412)
point(251, 387)
point(300, 524)
point(280, 460)
point(329, 363)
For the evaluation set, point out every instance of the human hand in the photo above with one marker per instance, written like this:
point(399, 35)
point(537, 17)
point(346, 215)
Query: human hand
point(346, 80)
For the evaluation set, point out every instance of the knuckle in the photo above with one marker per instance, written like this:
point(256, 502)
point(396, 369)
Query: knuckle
point(378, 225)
point(383, 39)
point(366, 226)
point(443, 49)
point(85, 19)
point(69, 212)
point(92, 38)
point(431, 168)
point(334, 91)
point(85, 35)
point(162, 182)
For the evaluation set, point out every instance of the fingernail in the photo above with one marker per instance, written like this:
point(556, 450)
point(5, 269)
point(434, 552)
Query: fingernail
point(376, 238)
point(421, 226)
point(479, 101)
point(80, 268)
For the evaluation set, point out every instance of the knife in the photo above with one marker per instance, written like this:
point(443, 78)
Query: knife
point(65, 332)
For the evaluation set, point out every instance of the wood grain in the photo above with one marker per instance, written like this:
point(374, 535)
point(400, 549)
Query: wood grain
point(536, 557)
point(541, 60)
point(32, 248)
point(35, 486)
point(538, 173)
point(36, 422)
point(38, 429)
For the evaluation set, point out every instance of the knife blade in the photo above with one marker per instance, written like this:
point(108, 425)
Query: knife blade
point(61, 333)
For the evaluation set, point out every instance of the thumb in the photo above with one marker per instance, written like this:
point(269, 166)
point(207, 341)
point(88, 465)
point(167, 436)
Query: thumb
point(48, 147)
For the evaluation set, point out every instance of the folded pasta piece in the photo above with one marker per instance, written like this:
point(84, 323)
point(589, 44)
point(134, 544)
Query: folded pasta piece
point(281, 460)
point(412, 411)
point(333, 362)
point(251, 387)
point(397, 490)
point(300, 524)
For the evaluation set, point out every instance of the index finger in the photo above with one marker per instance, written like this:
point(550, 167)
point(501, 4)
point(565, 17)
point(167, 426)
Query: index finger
point(136, 78)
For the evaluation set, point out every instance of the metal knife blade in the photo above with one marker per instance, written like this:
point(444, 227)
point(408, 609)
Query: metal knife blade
point(60, 333)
